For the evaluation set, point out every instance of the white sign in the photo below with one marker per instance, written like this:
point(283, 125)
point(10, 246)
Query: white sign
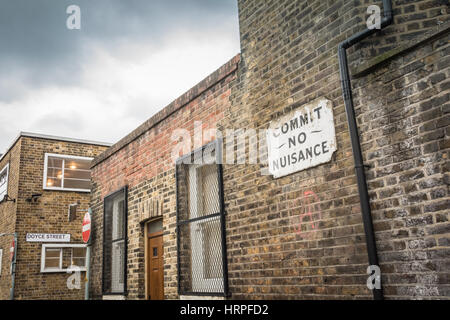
point(302, 139)
point(47, 237)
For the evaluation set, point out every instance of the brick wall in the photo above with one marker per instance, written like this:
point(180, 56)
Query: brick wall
point(404, 120)
point(47, 215)
point(143, 161)
point(289, 58)
point(8, 216)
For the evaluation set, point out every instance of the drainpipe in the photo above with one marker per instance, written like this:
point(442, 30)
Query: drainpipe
point(354, 137)
point(13, 264)
point(88, 262)
point(13, 268)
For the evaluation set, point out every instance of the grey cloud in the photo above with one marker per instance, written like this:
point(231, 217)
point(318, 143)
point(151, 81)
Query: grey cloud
point(35, 40)
point(38, 51)
point(35, 31)
point(72, 121)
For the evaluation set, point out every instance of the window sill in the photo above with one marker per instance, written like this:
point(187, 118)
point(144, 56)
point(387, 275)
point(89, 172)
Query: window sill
point(112, 296)
point(63, 270)
point(194, 297)
point(66, 189)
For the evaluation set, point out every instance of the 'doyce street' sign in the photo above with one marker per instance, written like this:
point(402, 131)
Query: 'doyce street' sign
point(302, 139)
point(47, 237)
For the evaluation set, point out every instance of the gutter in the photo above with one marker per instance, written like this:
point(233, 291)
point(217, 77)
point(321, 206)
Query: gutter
point(354, 137)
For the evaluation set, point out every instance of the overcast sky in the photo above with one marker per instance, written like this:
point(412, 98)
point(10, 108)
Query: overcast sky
point(129, 60)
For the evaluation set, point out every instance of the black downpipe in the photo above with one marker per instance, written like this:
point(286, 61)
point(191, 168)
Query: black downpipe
point(354, 137)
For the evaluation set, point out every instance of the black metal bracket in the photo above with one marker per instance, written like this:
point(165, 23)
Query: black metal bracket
point(34, 197)
point(7, 198)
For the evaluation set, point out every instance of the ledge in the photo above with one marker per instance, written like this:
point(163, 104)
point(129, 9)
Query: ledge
point(368, 66)
point(187, 297)
point(113, 297)
point(179, 103)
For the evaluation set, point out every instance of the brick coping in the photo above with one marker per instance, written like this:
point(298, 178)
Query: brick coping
point(174, 106)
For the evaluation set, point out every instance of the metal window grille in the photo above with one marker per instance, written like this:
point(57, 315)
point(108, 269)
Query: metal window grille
point(202, 265)
point(115, 243)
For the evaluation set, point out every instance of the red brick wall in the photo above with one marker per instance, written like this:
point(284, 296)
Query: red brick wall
point(145, 165)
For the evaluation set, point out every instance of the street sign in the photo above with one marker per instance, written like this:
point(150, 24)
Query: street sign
point(47, 237)
point(86, 229)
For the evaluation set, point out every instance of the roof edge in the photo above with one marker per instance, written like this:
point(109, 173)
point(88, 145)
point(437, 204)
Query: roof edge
point(51, 137)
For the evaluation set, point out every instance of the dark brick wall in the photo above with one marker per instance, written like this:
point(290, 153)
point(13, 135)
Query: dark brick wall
point(289, 58)
point(404, 119)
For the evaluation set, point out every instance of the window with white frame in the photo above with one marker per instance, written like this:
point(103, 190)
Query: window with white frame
point(61, 257)
point(68, 173)
point(1, 261)
point(4, 173)
point(78, 257)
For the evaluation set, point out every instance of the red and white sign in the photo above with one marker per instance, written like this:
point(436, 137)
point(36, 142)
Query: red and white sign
point(86, 227)
point(11, 250)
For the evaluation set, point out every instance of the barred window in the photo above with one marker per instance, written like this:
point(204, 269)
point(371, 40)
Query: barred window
point(115, 243)
point(4, 181)
point(200, 225)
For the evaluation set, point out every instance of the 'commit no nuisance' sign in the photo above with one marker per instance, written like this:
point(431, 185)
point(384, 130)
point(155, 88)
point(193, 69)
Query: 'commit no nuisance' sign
point(302, 139)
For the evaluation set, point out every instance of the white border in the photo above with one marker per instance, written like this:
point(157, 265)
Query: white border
point(44, 185)
point(59, 246)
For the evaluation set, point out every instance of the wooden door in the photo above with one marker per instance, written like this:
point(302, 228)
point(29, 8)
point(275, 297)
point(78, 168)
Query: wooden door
point(156, 266)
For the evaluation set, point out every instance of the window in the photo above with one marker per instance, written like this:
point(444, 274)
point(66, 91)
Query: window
point(115, 243)
point(68, 173)
point(4, 173)
point(200, 225)
point(1, 261)
point(78, 257)
point(60, 257)
point(53, 259)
